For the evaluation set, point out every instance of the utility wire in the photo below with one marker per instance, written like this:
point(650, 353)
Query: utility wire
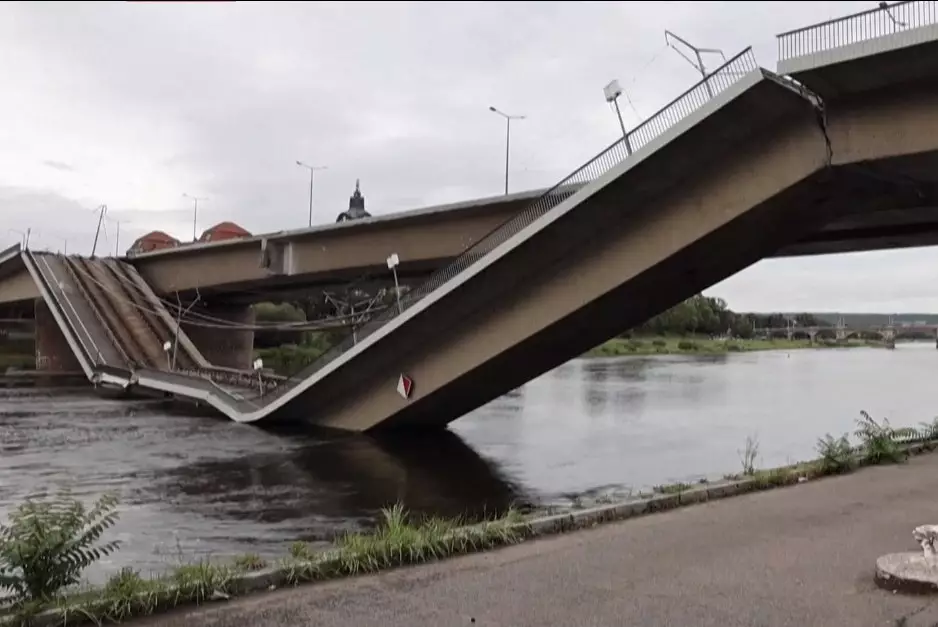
point(326, 323)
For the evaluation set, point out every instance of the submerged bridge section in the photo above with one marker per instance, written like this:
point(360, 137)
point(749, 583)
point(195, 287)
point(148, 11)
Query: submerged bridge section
point(113, 324)
point(738, 167)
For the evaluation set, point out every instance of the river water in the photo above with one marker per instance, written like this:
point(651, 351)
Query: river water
point(194, 486)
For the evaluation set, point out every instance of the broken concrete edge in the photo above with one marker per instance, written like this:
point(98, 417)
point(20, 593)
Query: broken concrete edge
point(275, 577)
point(886, 577)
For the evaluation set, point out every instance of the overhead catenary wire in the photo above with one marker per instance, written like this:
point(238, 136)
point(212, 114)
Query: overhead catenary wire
point(322, 324)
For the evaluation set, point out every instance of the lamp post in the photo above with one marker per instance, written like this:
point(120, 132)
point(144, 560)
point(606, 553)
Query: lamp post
point(24, 236)
point(612, 91)
point(508, 119)
point(195, 212)
point(393, 262)
point(312, 169)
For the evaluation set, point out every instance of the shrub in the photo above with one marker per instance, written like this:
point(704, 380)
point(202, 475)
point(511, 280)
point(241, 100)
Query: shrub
point(47, 545)
point(747, 456)
point(775, 477)
point(687, 345)
point(929, 430)
point(836, 454)
point(636, 344)
point(880, 441)
point(249, 561)
point(659, 342)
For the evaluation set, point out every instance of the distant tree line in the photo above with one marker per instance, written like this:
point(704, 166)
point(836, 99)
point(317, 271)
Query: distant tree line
point(698, 315)
point(704, 315)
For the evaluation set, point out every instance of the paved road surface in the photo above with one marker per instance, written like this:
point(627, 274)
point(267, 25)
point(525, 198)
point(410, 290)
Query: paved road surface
point(801, 556)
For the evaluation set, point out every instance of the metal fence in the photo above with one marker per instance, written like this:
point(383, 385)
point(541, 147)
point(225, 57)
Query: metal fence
point(852, 29)
point(690, 101)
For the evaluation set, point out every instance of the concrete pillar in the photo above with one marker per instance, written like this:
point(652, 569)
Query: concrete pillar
point(231, 348)
point(812, 336)
point(889, 338)
point(53, 354)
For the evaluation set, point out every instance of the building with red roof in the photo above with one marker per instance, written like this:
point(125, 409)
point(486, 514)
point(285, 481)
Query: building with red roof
point(223, 231)
point(154, 240)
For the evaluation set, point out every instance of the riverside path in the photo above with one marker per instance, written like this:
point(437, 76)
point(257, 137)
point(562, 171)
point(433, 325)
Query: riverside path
point(800, 556)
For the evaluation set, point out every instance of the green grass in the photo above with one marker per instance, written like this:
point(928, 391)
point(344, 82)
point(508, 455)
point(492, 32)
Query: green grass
point(397, 540)
point(669, 345)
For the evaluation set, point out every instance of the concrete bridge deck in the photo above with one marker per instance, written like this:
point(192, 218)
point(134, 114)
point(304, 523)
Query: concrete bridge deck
point(303, 262)
point(648, 224)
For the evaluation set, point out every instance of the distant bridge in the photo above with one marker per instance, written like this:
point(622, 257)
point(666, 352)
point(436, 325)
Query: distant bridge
point(841, 332)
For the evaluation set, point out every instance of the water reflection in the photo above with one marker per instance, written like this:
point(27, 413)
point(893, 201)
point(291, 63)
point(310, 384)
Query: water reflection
point(193, 486)
point(339, 483)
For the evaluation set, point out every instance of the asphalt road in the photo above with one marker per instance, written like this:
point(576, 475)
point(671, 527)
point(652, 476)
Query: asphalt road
point(799, 556)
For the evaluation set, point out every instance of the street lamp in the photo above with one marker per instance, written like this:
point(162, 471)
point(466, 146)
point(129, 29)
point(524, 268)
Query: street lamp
point(508, 119)
point(195, 212)
point(24, 236)
point(312, 169)
point(393, 262)
point(612, 91)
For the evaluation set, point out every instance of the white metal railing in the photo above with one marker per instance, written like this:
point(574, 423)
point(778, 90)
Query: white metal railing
point(852, 29)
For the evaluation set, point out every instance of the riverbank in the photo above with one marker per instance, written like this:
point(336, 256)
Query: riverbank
point(671, 345)
point(290, 358)
point(799, 556)
point(398, 540)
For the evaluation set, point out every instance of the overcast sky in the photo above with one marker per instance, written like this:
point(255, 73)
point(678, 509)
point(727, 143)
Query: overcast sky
point(133, 105)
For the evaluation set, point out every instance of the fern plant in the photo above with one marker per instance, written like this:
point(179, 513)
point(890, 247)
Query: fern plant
point(46, 545)
point(880, 442)
point(836, 454)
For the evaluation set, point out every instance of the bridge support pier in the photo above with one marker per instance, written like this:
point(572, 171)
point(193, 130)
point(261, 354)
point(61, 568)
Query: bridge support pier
point(53, 354)
point(889, 338)
point(227, 347)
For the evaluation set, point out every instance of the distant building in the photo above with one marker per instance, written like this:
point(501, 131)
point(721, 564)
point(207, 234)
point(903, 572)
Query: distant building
point(223, 231)
point(356, 206)
point(154, 240)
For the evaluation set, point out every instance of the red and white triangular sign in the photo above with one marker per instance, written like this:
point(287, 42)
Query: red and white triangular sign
point(404, 386)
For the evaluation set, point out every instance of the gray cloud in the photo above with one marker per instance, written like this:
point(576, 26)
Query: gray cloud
point(147, 101)
point(58, 165)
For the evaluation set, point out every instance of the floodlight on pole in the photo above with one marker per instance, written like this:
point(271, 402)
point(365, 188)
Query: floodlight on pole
point(393, 262)
point(312, 169)
point(612, 91)
point(508, 119)
point(698, 52)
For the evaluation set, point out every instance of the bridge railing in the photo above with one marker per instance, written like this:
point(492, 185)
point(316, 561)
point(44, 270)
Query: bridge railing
point(855, 28)
point(687, 103)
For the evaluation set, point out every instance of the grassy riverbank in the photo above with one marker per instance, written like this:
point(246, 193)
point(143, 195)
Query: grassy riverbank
point(47, 545)
point(670, 345)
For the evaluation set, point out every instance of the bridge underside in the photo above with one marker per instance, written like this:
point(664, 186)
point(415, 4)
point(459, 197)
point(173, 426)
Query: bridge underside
point(547, 312)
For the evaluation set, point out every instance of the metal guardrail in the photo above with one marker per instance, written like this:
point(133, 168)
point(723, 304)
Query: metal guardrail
point(690, 101)
point(852, 29)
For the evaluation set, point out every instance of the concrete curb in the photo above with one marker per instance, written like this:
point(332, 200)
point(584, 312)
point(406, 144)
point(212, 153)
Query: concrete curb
point(281, 576)
point(571, 521)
